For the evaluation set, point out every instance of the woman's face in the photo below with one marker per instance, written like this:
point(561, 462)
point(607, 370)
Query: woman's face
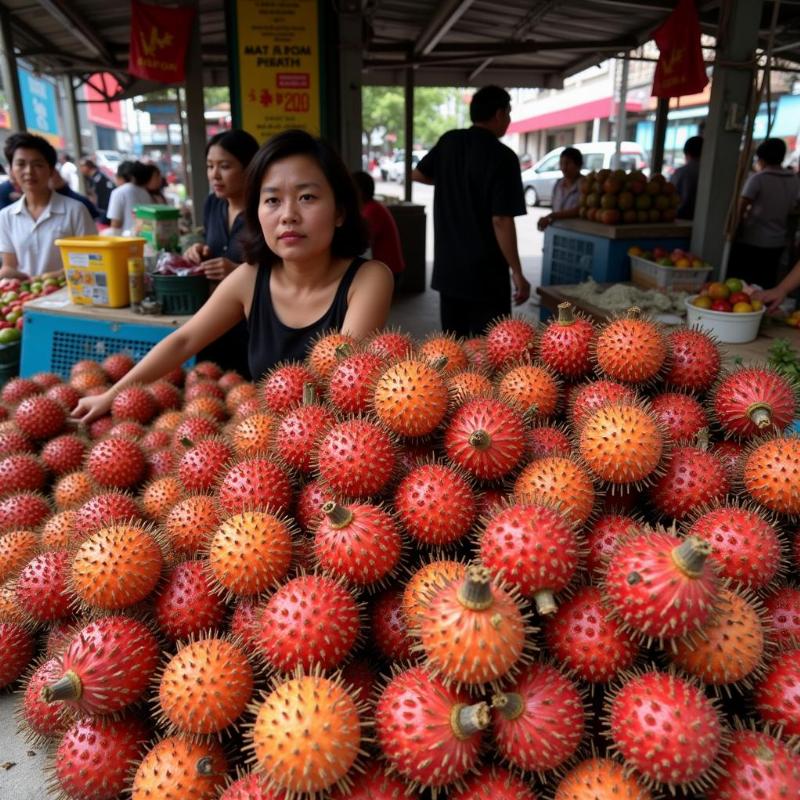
point(569, 169)
point(154, 184)
point(225, 173)
point(297, 209)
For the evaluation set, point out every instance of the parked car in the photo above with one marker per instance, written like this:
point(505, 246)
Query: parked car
point(396, 169)
point(539, 180)
point(108, 160)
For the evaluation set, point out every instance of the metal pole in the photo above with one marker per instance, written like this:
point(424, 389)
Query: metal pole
point(195, 119)
point(621, 111)
point(659, 135)
point(184, 149)
point(8, 68)
point(409, 129)
point(73, 125)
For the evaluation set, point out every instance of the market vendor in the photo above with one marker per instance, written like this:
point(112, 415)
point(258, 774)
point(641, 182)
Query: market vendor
point(772, 298)
point(302, 274)
point(566, 193)
point(30, 226)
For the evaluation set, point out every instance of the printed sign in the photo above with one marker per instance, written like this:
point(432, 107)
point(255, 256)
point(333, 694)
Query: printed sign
point(39, 106)
point(278, 66)
point(159, 39)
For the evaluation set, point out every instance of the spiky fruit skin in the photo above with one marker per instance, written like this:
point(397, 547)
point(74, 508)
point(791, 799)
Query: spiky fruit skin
point(547, 728)
point(128, 429)
point(94, 757)
point(424, 582)
point(114, 660)
point(567, 348)
point(731, 649)
point(356, 458)
point(509, 340)
point(42, 589)
point(533, 544)
point(757, 766)
point(485, 437)
point(249, 787)
point(435, 504)
point(309, 620)
point(105, 509)
point(116, 463)
point(580, 637)
point(413, 719)
point(326, 351)
point(782, 612)
point(547, 440)
point(40, 417)
point(18, 647)
point(410, 398)
point(282, 388)
point(43, 721)
point(177, 769)
point(388, 625)
point(23, 511)
point(118, 365)
point(468, 385)
point(64, 454)
point(306, 735)
point(15, 441)
point(249, 552)
point(631, 350)
point(745, 388)
point(190, 524)
point(605, 533)
point(200, 465)
point(65, 394)
point(21, 472)
point(694, 360)
point(166, 395)
point(374, 784)
point(532, 387)
point(391, 344)
point(117, 566)
point(205, 686)
point(654, 595)
point(134, 403)
point(777, 695)
point(254, 434)
point(17, 548)
point(349, 387)
point(193, 428)
point(692, 478)
point(771, 475)
point(600, 779)
point(745, 546)
point(73, 489)
point(244, 623)
point(363, 551)
point(298, 432)
point(441, 346)
point(593, 395)
point(622, 444)
point(17, 389)
point(681, 415)
point(257, 481)
point(730, 453)
point(186, 604)
point(471, 646)
point(680, 724)
point(558, 481)
point(160, 495)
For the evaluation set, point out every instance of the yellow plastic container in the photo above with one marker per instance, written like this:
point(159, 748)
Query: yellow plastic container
point(97, 268)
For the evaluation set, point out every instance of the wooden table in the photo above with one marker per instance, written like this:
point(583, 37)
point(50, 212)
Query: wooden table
point(755, 351)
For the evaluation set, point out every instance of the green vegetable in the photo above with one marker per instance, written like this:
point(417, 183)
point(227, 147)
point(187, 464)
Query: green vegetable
point(784, 358)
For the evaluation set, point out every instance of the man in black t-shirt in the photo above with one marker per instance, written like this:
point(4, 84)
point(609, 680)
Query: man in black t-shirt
point(478, 194)
point(99, 186)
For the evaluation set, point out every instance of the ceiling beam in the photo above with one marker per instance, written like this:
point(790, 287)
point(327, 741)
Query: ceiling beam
point(67, 17)
point(447, 14)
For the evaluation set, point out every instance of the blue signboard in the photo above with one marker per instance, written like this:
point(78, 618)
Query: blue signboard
point(39, 105)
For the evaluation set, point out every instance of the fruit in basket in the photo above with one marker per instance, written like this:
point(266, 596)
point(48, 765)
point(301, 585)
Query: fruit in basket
point(702, 301)
point(721, 305)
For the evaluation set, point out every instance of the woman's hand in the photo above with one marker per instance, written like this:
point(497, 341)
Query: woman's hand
point(771, 298)
point(197, 252)
point(545, 221)
point(216, 269)
point(92, 408)
point(12, 272)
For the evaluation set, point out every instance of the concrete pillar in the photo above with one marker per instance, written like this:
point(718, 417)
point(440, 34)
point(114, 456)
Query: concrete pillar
point(409, 98)
point(730, 92)
point(351, 52)
point(8, 68)
point(74, 146)
point(196, 123)
point(659, 134)
point(621, 121)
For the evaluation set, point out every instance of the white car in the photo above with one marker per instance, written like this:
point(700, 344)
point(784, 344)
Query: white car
point(108, 160)
point(396, 170)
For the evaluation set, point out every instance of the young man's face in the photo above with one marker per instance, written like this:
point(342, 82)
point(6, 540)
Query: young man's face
point(30, 170)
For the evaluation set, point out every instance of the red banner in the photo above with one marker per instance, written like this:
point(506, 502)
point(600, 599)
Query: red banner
point(680, 69)
point(159, 37)
point(98, 110)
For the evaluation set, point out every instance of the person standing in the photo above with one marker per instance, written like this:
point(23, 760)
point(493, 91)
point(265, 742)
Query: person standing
point(130, 192)
point(384, 238)
point(478, 192)
point(30, 226)
point(69, 172)
point(100, 186)
point(685, 178)
point(768, 197)
point(566, 196)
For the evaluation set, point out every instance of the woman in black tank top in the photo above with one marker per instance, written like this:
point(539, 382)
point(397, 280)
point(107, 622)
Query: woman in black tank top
point(302, 275)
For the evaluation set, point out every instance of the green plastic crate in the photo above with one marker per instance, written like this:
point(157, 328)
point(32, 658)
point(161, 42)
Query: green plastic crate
point(10, 353)
point(180, 295)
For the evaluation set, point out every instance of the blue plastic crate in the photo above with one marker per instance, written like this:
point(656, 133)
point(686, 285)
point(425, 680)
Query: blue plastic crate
point(55, 342)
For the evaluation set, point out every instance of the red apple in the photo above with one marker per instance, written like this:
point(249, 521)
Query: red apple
point(20, 322)
point(721, 305)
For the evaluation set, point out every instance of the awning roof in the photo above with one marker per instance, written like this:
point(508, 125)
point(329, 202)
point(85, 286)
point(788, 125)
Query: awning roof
point(583, 112)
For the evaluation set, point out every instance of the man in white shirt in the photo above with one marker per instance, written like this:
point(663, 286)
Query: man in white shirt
point(30, 226)
point(69, 172)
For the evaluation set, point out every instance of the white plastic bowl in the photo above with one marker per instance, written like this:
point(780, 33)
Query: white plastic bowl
point(725, 325)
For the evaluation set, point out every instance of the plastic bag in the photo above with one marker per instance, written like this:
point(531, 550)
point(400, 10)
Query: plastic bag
point(175, 264)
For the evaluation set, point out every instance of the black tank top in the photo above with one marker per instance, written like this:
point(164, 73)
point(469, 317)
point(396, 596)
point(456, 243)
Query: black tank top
point(270, 341)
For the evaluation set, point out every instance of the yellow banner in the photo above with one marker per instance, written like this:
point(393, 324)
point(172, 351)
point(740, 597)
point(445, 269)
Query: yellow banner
point(278, 60)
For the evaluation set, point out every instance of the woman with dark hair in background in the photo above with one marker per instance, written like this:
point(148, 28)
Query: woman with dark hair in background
point(155, 185)
point(132, 176)
point(566, 196)
point(302, 276)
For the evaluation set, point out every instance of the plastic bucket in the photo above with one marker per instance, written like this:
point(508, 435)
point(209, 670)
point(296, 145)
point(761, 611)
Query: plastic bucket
point(727, 326)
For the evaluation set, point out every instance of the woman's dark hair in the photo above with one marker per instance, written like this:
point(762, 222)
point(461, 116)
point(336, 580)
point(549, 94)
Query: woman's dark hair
point(693, 146)
point(125, 170)
point(365, 185)
point(349, 239)
point(574, 155)
point(772, 151)
point(150, 170)
point(486, 102)
point(240, 144)
point(140, 173)
point(30, 142)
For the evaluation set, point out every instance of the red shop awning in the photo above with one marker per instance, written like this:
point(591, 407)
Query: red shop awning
point(605, 107)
